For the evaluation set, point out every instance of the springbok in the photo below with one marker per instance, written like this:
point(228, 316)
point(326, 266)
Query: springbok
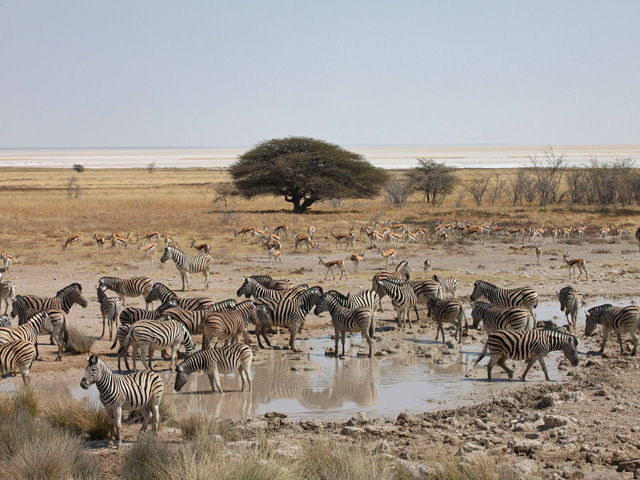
point(148, 248)
point(71, 240)
point(575, 263)
point(356, 259)
point(388, 253)
point(334, 263)
point(202, 248)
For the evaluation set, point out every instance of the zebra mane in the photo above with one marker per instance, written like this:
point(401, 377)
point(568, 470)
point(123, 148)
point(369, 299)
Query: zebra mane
point(337, 294)
point(599, 309)
point(395, 281)
point(402, 264)
point(561, 336)
point(246, 305)
point(162, 287)
point(261, 277)
point(485, 283)
point(69, 288)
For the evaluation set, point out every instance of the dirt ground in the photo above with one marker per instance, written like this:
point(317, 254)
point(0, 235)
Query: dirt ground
point(584, 427)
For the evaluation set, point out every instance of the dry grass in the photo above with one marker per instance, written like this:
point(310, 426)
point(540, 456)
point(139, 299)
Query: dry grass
point(78, 342)
point(478, 467)
point(79, 417)
point(24, 399)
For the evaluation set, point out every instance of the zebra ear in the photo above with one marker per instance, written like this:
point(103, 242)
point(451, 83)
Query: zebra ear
point(93, 359)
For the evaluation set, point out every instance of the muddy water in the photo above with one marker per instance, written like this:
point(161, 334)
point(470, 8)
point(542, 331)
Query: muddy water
point(313, 385)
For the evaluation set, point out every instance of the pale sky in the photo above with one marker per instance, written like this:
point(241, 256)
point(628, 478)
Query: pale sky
point(212, 73)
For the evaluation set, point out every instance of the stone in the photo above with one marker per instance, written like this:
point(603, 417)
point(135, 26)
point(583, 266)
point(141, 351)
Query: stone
point(525, 468)
point(358, 419)
point(573, 396)
point(549, 400)
point(351, 431)
point(553, 421)
point(275, 415)
point(524, 446)
point(380, 353)
point(629, 465)
point(529, 417)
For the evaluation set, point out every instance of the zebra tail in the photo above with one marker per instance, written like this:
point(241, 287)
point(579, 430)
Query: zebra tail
point(65, 333)
point(372, 325)
point(115, 341)
point(483, 353)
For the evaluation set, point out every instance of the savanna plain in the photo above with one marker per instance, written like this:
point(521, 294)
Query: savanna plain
point(582, 424)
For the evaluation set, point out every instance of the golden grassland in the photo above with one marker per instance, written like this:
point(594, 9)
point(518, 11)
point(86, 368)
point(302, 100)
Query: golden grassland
point(40, 209)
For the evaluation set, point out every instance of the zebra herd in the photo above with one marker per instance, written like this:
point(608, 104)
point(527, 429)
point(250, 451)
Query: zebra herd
point(508, 316)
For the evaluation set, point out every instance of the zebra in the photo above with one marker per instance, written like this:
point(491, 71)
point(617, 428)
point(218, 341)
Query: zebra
point(525, 297)
point(402, 296)
point(291, 310)
point(163, 293)
point(152, 334)
point(215, 361)
point(5, 320)
point(359, 319)
point(449, 285)
point(18, 354)
point(127, 287)
point(194, 319)
point(109, 309)
point(228, 326)
point(499, 318)
point(252, 287)
point(618, 319)
point(28, 331)
point(530, 345)
point(638, 237)
point(402, 272)
point(278, 285)
point(7, 292)
point(137, 391)
point(189, 264)
point(363, 298)
point(264, 312)
point(570, 302)
point(131, 315)
point(423, 290)
point(450, 311)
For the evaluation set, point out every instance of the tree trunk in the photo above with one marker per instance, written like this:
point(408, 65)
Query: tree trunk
point(302, 207)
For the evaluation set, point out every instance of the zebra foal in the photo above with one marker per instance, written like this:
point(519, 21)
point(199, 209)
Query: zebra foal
point(7, 292)
point(215, 361)
point(137, 391)
point(189, 264)
point(450, 311)
point(530, 345)
point(617, 319)
point(449, 285)
point(351, 320)
point(403, 298)
point(570, 302)
point(228, 326)
point(127, 287)
point(109, 309)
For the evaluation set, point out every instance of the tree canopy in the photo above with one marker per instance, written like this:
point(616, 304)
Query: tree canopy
point(304, 170)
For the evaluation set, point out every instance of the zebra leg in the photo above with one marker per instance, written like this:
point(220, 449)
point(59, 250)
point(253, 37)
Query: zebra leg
point(343, 335)
point(635, 343)
point(504, 366)
point(530, 363)
point(620, 343)
point(337, 337)
point(492, 362)
point(117, 420)
point(206, 279)
point(415, 309)
point(544, 368)
point(174, 354)
point(134, 357)
point(605, 335)
point(406, 313)
point(367, 337)
point(104, 321)
point(155, 410)
point(146, 414)
point(292, 335)
point(24, 371)
point(216, 378)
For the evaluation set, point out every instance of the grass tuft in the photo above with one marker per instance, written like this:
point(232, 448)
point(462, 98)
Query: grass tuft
point(481, 467)
point(78, 342)
point(24, 399)
point(79, 417)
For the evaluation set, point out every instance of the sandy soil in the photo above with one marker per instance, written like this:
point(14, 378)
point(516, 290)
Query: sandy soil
point(587, 434)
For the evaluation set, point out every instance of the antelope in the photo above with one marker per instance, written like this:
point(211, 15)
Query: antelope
point(259, 233)
point(575, 263)
point(623, 232)
point(150, 236)
point(604, 231)
point(301, 238)
point(334, 263)
point(566, 232)
point(119, 241)
point(169, 242)
point(410, 237)
point(398, 226)
point(394, 236)
point(281, 229)
point(147, 248)
point(388, 253)
point(73, 238)
point(580, 231)
point(422, 233)
point(99, 240)
point(365, 230)
point(427, 267)
point(356, 259)
point(343, 236)
point(118, 234)
point(202, 248)
point(8, 260)
point(471, 231)
point(311, 231)
point(538, 254)
point(243, 232)
point(556, 234)
point(443, 237)
point(276, 254)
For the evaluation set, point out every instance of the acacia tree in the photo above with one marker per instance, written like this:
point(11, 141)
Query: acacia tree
point(304, 170)
point(434, 180)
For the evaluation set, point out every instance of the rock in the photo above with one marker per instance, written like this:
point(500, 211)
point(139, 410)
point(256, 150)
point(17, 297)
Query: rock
point(358, 419)
point(524, 446)
point(553, 421)
point(601, 393)
point(529, 417)
point(402, 418)
point(573, 396)
point(329, 351)
point(351, 431)
point(380, 353)
point(275, 415)
point(311, 425)
point(549, 400)
point(629, 465)
point(525, 468)
point(417, 470)
point(306, 367)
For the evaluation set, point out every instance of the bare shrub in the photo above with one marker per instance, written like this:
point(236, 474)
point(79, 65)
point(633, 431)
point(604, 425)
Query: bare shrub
point(397, 191)
point(73, 188)
point(547, 172)
point(225, 191)
point(151, 167)
point(477, 186)
point(78, 168)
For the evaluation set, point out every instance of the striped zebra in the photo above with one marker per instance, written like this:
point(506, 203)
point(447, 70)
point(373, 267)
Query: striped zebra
point(109, 309)
point(127, 287)
point(525, 297)
point(450, 311)
point(152, 334)
point(363, 298)
point(291, 310)
point(131, 315)
point(163, 293)
point(530, 345)
point(343, 319)
point(137, 391)
point(28, 331)
point(402, 272)
point(5, 320)
point(570, 303)
point(499, 318)
point(264, 312)
point(228, 326)
point(449, 285)
point(253, 288)
point(215, 361)
point(403, 298)
point(194, 319)
point(7, 292)
point(423, 290)
point(278, 285)
point(17, 355)
point(619, 319)
point(189, 264)
point(638, 237)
